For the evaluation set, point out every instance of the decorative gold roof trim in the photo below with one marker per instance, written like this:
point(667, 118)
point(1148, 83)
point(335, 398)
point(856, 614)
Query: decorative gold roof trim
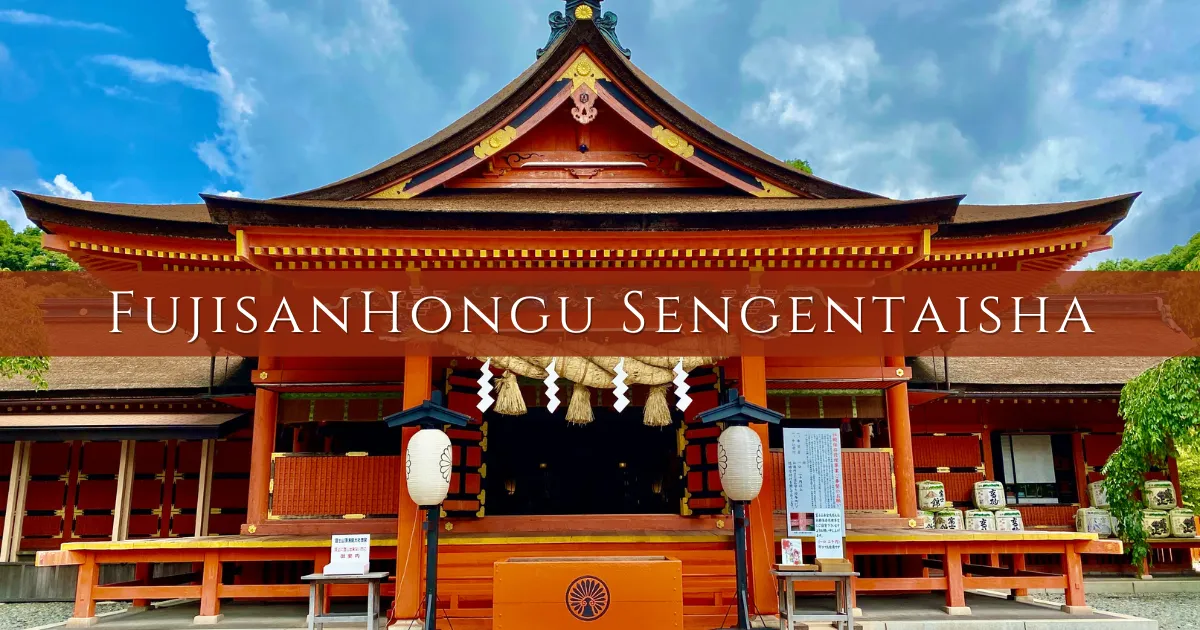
point(772, 191)
point(396, 191)
point(584, 71)
point(673, 142)
point(495, 142)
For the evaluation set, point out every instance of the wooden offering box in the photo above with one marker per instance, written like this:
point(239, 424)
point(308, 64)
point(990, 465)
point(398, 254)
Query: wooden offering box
point(593, 593)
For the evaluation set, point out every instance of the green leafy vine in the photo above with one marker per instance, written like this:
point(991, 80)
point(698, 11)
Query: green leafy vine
point(1161, 408)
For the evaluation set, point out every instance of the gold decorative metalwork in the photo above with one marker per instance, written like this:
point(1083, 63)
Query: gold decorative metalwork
point(673, 142)
point(396, 191)
point(495, 142)
point(771, 190)
point(583, 12)
point(584, 71)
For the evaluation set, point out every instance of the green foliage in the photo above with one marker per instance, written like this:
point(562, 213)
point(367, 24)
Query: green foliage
point(33, 369)
point(800, 165)
point(1184, 257)
point(22, 251)
point(1161, 408)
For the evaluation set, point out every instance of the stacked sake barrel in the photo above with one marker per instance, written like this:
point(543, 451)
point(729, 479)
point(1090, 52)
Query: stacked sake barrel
point(989, 513)
point(1161, 518)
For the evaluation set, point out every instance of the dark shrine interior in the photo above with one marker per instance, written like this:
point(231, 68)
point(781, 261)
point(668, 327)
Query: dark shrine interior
point(539, 464)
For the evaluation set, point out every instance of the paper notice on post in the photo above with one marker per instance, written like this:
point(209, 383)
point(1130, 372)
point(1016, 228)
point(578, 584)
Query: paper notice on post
point(349, 555)
point(830, 545)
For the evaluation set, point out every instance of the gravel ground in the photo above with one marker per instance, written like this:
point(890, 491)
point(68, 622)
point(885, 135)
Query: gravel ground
point(21, 616)
point(1173, 611)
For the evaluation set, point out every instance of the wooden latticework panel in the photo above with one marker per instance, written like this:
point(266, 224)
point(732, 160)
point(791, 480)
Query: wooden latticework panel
point(960, 486)
point(466, 498)
point(332, 486)
point(867, 480)
point(946, 451)
point(698, 443)
point(1048, 516)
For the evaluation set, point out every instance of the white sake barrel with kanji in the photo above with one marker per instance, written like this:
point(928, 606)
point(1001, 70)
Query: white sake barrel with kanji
point(931, 495)
point(989, 495)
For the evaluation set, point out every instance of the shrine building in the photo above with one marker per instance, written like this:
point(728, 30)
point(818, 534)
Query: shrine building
point(241, 468)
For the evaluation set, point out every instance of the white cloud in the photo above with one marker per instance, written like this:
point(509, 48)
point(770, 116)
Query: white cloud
point(151, 71)
point(63, 187)
point(10, 209)
point(24, 18)
point(824, 97)
point(1028, 17)
point(227, 193)
point(1161, 93)
point(224, 151)
point(213, 156)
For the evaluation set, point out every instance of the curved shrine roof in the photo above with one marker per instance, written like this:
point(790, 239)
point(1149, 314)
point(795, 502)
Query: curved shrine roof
point(805, 201)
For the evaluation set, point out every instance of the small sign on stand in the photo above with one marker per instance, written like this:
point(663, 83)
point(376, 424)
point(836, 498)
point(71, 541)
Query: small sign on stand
point(349, 555)
point(815, 501)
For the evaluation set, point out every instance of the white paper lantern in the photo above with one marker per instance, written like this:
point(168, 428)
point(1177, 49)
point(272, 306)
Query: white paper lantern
point(427, 467)
point(740, 460)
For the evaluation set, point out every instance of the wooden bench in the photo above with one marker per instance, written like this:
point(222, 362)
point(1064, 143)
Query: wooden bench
point(207, 586)
point(957, 576)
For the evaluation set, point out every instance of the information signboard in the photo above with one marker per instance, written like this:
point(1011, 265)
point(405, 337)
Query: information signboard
point(349, 555)
point(812, 460)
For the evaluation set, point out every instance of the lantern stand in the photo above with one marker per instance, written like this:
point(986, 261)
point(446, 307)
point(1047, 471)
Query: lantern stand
point(429, 451)
point(740, 461)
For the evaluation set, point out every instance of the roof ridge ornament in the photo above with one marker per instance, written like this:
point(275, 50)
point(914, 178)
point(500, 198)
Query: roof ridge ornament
point(584, 10)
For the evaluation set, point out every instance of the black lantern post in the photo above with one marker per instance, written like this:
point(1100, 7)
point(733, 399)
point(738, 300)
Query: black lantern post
point(740, 462)
point(427, 468)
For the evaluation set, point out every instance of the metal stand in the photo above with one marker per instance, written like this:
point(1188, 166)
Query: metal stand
point(431, 553)
point(739, 544)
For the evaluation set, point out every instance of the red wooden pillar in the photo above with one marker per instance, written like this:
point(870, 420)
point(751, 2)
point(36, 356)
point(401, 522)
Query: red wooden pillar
point(1081, 476)
point(85, 601)
point(210, 582)
point(418, 383)
point(761, 540)
point(956, 600)
point(1073, 571)
point(900, 434)
point(266, 411)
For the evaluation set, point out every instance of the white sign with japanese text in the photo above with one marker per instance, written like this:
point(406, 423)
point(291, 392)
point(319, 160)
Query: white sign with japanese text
point(812, 460)
point(349, 555)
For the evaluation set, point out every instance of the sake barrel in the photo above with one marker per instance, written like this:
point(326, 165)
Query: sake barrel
point(949, 519)
point(1097, 494)
point(1009, 521)
point(930, 518)
point(1183, 523)
point(1159, 495)
point(989, 495)
point(931, 495)
point(1156, 523)
point(981, 520)
point(1093, 521)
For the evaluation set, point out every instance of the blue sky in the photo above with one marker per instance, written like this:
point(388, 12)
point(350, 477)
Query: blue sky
point(1007, 101)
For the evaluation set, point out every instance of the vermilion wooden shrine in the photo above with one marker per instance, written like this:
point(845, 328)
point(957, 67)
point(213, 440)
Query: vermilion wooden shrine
point(581, 162)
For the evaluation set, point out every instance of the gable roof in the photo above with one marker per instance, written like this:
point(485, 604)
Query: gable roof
point(505, 104)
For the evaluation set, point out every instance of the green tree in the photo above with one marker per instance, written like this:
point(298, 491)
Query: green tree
point(800, 165)
point(23, 251)
point(1161, 409)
